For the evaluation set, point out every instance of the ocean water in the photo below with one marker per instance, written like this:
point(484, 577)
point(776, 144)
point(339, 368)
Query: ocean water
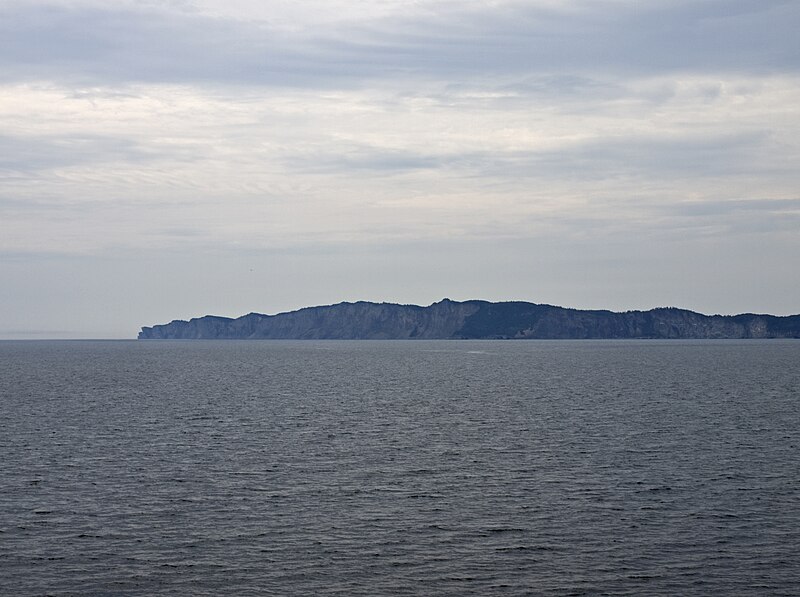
point(400, 468)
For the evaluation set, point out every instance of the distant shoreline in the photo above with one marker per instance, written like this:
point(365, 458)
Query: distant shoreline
point(475, 319)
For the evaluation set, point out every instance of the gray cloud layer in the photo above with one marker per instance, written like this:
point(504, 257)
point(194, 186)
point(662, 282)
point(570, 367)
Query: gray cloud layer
point(90, 44)
point(169, 159)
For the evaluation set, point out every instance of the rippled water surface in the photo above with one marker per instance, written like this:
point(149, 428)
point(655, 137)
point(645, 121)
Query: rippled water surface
point(400, 468)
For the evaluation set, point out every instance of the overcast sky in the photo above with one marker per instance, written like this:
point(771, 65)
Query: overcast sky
point(166, 159)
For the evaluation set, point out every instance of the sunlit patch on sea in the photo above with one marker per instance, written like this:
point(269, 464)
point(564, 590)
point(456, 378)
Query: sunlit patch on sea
point(400, 468)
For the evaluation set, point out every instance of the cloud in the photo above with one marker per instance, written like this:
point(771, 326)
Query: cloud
point(359, 159)
point(784, 207)
point(395, 150)
point(638, 156)
point(177, 166)
point(28, 154)
point(766, 218)
point(93, 44)
point(644, 157)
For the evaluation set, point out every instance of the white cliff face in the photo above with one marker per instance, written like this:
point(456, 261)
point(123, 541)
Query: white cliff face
point(474, 319)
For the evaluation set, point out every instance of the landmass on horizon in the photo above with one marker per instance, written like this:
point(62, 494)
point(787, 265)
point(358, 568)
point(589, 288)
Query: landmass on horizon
point(474, 319)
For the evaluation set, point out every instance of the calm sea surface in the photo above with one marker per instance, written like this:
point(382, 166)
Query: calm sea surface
point(400, 468)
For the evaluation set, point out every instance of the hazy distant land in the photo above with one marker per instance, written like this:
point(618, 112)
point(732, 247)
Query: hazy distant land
point(474, 319)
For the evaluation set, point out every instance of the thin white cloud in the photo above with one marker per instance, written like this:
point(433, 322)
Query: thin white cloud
point(300, 166)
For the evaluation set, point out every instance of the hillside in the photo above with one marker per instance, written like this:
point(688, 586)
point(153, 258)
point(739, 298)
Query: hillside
point(474, 319)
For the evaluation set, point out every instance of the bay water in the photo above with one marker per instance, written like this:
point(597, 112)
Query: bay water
point(400, 468)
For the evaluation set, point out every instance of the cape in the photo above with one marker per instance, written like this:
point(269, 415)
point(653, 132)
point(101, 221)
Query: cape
point(473, 319)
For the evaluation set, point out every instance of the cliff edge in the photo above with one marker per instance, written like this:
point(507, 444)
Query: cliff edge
point(448, 319)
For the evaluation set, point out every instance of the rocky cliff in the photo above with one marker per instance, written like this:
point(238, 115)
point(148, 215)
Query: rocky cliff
point(474, 319)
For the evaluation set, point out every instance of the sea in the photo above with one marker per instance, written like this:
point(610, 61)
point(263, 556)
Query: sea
point(400, 468)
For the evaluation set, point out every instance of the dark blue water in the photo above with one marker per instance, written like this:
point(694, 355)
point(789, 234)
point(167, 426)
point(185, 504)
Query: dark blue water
point(400, 468)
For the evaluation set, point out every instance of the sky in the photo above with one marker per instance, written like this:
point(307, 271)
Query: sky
point(167, 159)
